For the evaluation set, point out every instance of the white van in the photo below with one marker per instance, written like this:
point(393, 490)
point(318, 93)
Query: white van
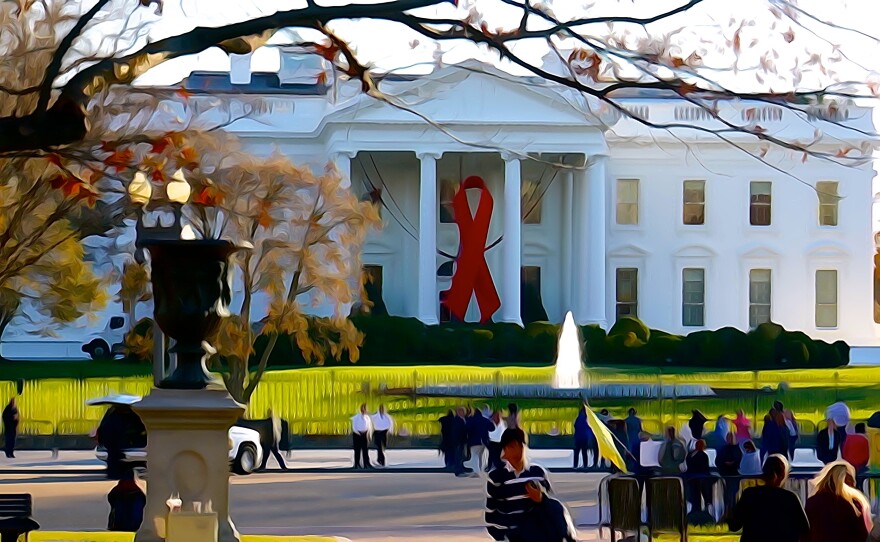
point(109, 343)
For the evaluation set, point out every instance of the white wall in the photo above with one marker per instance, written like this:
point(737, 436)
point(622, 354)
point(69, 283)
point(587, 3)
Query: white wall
point(794, 246)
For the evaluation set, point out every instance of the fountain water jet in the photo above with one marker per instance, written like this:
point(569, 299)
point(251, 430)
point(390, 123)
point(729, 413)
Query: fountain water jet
point(569, 367)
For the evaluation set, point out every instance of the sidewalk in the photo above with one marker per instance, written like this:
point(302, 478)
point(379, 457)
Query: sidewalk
point(85, 462)
point(314, 461)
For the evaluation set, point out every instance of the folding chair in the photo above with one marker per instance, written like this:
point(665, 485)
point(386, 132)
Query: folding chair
point(666, 507)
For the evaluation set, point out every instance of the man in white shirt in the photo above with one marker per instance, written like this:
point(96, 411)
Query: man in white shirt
point(361, 428)
point(382, 425)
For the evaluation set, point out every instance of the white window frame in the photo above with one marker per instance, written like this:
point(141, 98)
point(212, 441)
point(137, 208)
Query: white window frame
point(637, 281)
point(685, 304)
point(749, 270)
point(835, 204)
point(749, 208)
point(684, 203)
point(617, 203)
point(816, 303)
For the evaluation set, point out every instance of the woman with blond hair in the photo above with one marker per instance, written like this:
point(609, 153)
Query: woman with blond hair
point(837, 511)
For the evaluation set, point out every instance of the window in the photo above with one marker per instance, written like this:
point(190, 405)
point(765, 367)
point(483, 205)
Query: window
point(826, 298)
point(531, 202)
point(531, 303)
point(759, 297)
point(627, 201)
point(828, 200)
point(117, 322)
point(627, 292)
point(759, 203)
point(693, 296)
point(448, 188)
point(694, 202)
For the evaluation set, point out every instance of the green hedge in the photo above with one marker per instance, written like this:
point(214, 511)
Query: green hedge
point(391, 340)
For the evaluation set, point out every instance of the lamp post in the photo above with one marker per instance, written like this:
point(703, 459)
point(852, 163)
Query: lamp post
point(188, 414)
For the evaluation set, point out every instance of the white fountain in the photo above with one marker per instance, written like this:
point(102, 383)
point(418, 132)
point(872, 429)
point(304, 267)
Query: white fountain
point(569, 367)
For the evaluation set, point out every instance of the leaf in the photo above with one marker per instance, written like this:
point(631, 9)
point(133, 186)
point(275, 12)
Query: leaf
point(209, 196)
point(120, 159)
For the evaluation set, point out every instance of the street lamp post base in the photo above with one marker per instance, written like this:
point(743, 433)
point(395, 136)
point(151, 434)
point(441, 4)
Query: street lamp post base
point(187, 456)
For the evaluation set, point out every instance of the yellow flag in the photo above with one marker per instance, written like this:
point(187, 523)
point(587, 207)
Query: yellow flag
point(607, 449)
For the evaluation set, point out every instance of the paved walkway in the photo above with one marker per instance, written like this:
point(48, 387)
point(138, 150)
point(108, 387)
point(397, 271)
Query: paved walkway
point(305, 460)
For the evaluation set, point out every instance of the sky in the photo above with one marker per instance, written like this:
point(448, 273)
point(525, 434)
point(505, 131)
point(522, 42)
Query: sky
point(390, 46)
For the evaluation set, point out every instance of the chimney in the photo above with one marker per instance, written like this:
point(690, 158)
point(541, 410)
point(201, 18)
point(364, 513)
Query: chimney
point(240, 69)
point(301, 68)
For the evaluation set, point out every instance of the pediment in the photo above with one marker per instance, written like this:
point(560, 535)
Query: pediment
point(695, 251)
point(628, 251)
point(759, 252)
point(460, 96)
point(827, 250)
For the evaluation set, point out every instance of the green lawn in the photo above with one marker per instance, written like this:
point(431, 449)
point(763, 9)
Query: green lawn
point(78, 369)
point(321, 400)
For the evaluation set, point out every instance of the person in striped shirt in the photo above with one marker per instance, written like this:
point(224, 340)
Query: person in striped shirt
point(519, 505)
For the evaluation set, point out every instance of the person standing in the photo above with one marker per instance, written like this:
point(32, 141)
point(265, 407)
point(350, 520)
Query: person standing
point(743, 427)
point(770, 513)
point(699, 478)
point(697, 424)
point(446, 448)
point(459, 442)
point(584, 440)
point(495, 461)
point(513, 419)
point(837, 511)
point(519, 505)
point(478, 429)
point(773, 441)
point(633, 432)
point(856, 449)
point(382, 425)
point(274, 443)
point(727, 462)
point(361, 429)
point(829, 441)
point(11, 418)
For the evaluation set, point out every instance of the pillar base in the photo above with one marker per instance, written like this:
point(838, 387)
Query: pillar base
point(187, 455)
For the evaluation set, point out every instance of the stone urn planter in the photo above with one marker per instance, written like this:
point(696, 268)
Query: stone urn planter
point(192, 291)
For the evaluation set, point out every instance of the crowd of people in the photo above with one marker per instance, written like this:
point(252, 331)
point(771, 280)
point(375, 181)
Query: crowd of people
point(471, 438)
point(836, 511)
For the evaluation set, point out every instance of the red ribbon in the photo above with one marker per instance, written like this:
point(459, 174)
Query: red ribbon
point(471, 270)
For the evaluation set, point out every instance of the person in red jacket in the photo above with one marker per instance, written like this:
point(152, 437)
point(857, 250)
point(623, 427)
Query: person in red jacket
point(856, 449)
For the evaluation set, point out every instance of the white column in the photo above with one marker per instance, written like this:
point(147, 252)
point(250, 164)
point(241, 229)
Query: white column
point(597, 223)
point(428, 301)
point(511, 246)
point(567, 245)
point(342, 159)
point(580, 253)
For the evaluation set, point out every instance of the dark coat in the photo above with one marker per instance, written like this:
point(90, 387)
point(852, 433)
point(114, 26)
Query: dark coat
point(446, 432)
point(697, 463)
point(583, 433)
point(633, 428)
point(458, 432)
point(127, 503)
point(728, 459)
point(825, 451)
point(10, 418)
point(478, 429)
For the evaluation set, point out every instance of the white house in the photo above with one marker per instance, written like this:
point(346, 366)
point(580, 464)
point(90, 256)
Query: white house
point(593, 212)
